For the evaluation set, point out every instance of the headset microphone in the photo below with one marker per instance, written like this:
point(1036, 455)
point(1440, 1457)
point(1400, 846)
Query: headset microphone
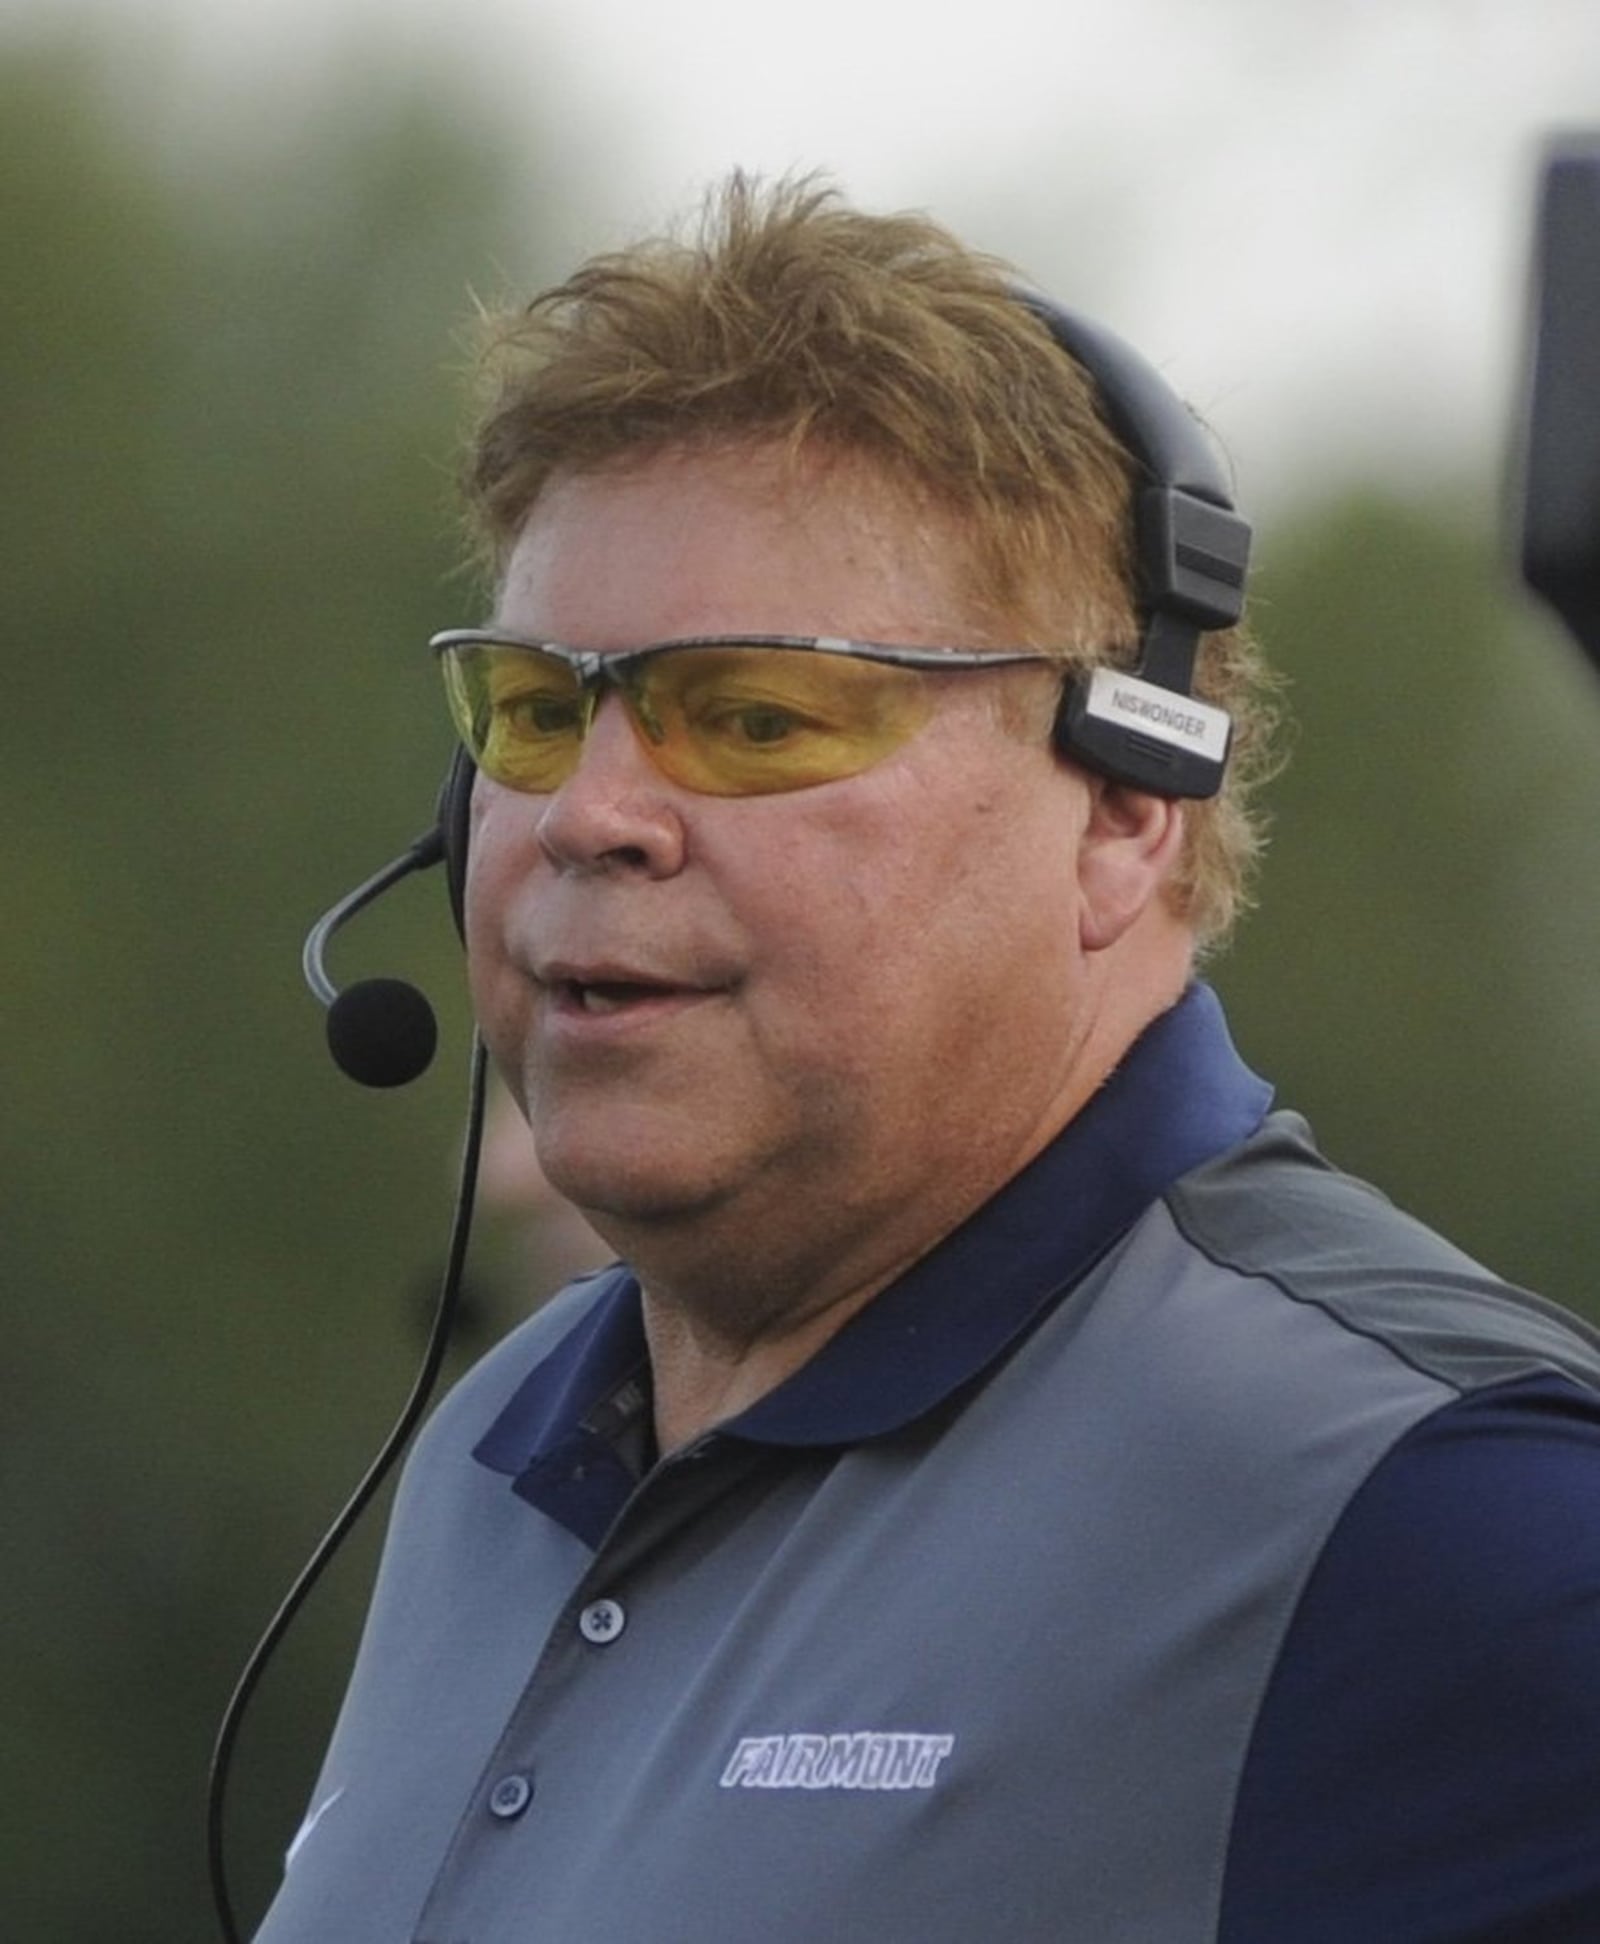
point(381, 1032)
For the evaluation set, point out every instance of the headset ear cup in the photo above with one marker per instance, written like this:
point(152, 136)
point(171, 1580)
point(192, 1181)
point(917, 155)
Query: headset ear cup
point(1139, 734)
point(1142, 725)
point(455, 822)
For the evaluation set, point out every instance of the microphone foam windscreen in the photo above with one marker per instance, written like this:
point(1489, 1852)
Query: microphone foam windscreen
point(382, 1032)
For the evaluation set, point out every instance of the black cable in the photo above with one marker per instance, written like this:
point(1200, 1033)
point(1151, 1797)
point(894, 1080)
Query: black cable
point(405, 1424)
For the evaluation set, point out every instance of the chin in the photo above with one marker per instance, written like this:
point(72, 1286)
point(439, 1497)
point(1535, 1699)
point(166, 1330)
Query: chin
point(624, 1182)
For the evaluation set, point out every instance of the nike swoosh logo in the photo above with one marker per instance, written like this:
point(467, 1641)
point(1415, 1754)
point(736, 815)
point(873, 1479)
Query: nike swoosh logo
point(303, 1833)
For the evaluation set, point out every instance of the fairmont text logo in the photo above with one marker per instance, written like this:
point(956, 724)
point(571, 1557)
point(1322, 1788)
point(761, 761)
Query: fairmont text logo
point(867, 1760)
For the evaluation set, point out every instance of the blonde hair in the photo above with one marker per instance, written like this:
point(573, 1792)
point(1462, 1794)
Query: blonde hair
point(788, 316)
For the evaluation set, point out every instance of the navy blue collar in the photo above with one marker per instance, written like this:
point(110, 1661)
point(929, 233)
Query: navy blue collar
point(1181, 1096)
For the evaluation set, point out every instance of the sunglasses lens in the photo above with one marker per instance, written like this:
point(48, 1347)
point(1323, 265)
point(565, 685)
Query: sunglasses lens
point(520, 713)
point(756, 721)
point(724, 721)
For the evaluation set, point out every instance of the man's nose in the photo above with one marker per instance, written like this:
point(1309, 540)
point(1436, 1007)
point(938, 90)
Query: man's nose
point(616, 811)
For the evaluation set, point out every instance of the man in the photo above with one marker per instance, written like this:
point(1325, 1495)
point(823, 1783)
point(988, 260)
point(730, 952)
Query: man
point(1015, 1488)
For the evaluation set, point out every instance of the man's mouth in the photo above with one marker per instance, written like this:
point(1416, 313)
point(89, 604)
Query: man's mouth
point(601, 989)
point(613, 995)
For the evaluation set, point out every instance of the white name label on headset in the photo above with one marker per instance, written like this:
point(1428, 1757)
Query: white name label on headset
point(1158, 712)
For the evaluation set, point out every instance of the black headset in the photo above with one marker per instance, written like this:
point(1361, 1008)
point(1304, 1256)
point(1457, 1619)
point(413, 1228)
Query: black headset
point(1191, 553)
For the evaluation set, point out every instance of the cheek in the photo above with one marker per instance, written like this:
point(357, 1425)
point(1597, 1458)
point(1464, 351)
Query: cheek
point(983, 914)
point(503, 855)
point(501, 859)
point(901, 927)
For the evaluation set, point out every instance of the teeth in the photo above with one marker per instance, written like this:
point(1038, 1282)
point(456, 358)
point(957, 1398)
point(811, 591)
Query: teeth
point(594, 1000)
point(613, 997)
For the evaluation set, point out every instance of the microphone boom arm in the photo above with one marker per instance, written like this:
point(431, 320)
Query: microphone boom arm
point(427, 851)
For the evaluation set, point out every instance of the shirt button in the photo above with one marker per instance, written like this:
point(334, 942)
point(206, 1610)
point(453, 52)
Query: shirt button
point(510, 1796)
point(601, 1621)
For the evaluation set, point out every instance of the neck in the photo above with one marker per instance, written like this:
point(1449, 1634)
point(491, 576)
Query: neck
point(728, 1318)
point(701, 1379)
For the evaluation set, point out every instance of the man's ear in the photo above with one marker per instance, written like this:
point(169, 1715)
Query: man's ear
point(1131, 845)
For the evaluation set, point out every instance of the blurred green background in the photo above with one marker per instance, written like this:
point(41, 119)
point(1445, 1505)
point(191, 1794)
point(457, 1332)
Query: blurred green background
point(230, 407)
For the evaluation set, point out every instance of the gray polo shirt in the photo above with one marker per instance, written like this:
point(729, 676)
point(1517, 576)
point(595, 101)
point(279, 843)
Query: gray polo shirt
point(1016, 1613)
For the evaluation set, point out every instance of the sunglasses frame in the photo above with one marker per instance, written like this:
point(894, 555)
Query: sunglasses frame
point(598, 668)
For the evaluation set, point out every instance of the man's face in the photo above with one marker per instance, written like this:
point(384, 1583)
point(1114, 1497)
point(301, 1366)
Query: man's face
point(820, 1020)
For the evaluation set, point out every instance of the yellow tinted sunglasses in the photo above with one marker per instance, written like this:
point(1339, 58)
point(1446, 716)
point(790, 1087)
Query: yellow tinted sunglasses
point(725, 715)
